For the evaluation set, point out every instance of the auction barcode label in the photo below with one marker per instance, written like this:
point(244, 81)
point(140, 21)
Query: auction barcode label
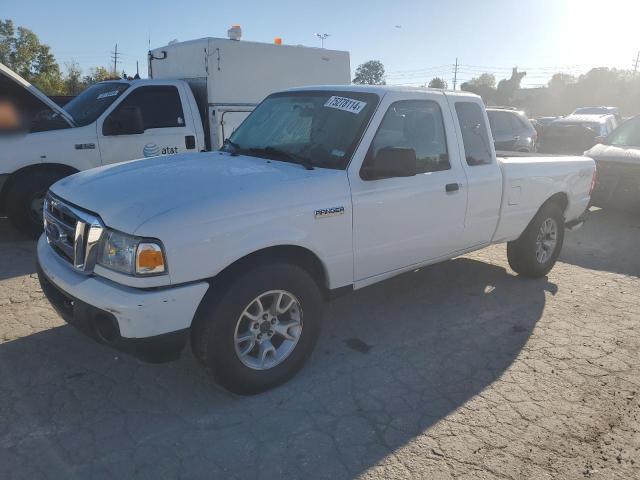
point(346, 104)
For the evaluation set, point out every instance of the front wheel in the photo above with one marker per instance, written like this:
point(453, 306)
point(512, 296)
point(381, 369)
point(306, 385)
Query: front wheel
point(261, 330)
point(535, 253)
point(25, 200)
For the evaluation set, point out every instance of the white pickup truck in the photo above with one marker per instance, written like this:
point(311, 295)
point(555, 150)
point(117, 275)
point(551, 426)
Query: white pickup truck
point(200, 91)
point(320, 190)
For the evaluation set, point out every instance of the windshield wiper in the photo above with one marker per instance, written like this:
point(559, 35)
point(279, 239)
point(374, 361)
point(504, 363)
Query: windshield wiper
point(277, 154)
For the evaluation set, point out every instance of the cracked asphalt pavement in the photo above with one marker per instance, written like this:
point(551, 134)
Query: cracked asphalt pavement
point(461, 370)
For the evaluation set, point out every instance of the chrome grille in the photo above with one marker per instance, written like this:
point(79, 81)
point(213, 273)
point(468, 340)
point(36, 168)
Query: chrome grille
point(72, 233)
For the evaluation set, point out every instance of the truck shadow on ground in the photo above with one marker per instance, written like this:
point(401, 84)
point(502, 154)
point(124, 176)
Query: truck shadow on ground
point(608, 241)
point(393, 359)
point(21, 261)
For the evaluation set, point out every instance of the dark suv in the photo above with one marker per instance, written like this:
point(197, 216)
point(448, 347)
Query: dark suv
point(512, 131)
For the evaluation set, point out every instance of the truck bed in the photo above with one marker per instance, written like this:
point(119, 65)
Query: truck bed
point(529, 179)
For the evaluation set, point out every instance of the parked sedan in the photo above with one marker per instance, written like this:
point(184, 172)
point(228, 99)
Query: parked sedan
point(618, 166)
point(512, 131)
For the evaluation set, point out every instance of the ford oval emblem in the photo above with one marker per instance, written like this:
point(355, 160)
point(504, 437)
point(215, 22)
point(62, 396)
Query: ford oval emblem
point(151, 150)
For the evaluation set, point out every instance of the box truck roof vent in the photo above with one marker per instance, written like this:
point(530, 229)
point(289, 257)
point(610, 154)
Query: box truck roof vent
point(235, 32)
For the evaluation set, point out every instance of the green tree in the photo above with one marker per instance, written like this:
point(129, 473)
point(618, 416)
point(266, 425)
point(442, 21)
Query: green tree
point(73, 83)
point(484, 85)
point(560, 81)
point(98, 74)
point(438, 82)
point(370, 73)
point(21, 51)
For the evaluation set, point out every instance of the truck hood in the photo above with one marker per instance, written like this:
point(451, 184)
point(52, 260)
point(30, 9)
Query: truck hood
point(126, 195)
point(613, 154)
point(12, 82)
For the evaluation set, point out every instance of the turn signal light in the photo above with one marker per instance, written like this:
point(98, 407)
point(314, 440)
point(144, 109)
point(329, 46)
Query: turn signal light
point(149, 258)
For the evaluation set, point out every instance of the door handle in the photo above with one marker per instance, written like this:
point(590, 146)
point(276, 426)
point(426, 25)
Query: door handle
point(190, 142)
point(452, 187)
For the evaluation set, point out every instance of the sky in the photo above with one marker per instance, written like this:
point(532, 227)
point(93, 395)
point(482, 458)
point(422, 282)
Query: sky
point(415, 40)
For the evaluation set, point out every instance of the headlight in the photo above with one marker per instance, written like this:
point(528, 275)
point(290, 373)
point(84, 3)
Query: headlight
point(131, 255)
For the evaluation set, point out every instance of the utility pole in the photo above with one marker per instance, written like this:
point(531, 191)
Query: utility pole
point(114, 56)
point(455, 74)
point(636, 63)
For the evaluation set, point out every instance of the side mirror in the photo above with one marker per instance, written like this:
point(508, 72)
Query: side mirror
point(127, 120)
point(391, 162)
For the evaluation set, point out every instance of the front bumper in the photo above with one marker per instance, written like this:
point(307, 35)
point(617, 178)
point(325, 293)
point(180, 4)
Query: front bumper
point(617, 186)
point(150, 324)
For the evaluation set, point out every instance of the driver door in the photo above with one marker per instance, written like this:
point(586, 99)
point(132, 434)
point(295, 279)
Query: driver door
point(166, 129)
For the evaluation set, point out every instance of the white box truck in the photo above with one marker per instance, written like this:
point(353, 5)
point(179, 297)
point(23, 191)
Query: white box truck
point(198, 92)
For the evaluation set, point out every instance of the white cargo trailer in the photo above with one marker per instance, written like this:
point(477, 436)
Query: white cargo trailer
point(229, 77)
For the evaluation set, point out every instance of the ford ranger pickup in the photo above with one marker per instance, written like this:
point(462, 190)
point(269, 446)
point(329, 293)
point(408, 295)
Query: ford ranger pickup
point(319, 191)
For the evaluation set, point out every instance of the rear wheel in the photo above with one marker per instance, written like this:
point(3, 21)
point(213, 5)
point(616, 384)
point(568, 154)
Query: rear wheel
point(535, 253)
point(261, 330)
point(25, 200)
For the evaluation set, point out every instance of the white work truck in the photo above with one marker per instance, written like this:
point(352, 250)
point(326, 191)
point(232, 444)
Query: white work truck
point(198, 93)
point(320, 190)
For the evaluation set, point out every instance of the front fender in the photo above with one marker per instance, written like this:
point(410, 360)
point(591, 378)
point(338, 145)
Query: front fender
point(197, 251)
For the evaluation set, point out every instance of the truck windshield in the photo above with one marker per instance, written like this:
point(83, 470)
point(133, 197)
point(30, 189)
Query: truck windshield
point(627, 135)
point(90, 104)
point(313, 128)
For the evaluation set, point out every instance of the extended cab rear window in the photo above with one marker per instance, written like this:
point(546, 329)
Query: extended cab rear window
point(475, 136)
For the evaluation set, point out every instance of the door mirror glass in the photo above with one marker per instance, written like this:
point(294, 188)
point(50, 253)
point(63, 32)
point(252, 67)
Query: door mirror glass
point(126, 120)
point(391, 162)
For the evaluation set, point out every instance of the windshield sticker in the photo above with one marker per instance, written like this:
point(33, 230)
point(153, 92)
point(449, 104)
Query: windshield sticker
point(112, 93)
point(337, 153)
point(346, 104)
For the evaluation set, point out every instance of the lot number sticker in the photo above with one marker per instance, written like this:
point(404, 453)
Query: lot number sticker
point(346, 104)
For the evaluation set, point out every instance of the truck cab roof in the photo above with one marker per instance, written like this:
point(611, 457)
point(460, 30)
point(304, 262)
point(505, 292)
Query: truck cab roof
point(384, 89)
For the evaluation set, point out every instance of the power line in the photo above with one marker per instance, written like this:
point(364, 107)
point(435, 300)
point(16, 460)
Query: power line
point(435, 73)
point(417, 70)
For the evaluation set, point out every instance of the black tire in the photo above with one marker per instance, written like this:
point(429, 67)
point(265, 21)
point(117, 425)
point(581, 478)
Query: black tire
point(24, 190)
point(521, 253)
point(212, 335)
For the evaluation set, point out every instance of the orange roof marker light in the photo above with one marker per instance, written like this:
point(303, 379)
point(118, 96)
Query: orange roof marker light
point(277, 40)
point(235, 32)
